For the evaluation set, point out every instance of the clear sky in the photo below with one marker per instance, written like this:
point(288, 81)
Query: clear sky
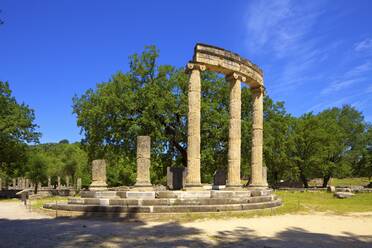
point(315, 54)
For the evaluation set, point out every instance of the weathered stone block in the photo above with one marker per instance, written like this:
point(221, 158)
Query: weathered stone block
point(98, 175)
point(219, 177)
point(343, 195)
point(176, 178)
point(140, 195)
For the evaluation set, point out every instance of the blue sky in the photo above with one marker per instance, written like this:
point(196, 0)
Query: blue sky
point(315, 54)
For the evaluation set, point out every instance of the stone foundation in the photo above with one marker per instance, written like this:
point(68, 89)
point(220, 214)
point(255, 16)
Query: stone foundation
point(169, 201)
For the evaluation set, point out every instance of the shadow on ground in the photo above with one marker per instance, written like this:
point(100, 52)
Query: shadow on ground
point(128, 232)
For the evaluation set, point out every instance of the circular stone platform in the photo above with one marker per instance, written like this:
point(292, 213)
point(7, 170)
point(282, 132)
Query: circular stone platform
point(169, 201)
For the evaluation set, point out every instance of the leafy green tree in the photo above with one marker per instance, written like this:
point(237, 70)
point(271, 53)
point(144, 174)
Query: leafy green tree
point(151, 99)
point(17, 128)
point(37, 169)
point(64, 159)
point(306, 146)
point(277, 131)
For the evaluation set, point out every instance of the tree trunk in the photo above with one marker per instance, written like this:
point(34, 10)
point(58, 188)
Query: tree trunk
point(326, 179)
point(304, 180)
point(35, 190)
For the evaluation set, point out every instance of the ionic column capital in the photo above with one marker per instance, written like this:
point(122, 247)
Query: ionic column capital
point(194, 66)
point(258, 90)
point(236, 76)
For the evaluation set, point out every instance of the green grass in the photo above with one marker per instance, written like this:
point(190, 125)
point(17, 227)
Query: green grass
point(326, 202)
point(359, 181)
point(38, 203)
point(293, 202)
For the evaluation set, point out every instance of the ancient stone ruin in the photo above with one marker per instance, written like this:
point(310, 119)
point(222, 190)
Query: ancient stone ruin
point(187, 193)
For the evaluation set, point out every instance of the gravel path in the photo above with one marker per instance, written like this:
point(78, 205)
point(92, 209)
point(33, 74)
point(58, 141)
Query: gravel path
point(20, 228)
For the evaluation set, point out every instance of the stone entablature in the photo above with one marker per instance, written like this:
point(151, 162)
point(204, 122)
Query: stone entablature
point(226, 62)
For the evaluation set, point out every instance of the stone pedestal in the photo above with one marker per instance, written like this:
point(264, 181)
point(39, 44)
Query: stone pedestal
point(234, 153)
point(193, 180)
point(219, 178)
point(176, 177)
point(143, 181)
point(98, 175)
point(257, 138)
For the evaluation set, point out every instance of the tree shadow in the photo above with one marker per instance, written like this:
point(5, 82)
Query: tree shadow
point(290, 238)
point(93, 232)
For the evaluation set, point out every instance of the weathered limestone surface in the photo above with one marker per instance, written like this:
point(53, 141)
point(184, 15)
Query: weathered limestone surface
point(67, 181)
point(237, 70)
point(193, 139)
point(257, 138)
point(143, 162)
point(234, 153)
point(98, 175)
point(223, 61)
point(78, 184)
point(264, 175)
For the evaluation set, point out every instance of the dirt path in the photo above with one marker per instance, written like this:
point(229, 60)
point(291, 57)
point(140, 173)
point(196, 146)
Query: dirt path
point(20, 228)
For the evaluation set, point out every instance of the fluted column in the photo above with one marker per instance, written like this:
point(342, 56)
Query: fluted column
point(257, 138)
point(193, 180)
point(234, 154)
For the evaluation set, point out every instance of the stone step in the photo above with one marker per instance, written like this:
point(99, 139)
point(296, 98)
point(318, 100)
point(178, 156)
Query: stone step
point(169, 201)
point(163, 208)
point(98, 194)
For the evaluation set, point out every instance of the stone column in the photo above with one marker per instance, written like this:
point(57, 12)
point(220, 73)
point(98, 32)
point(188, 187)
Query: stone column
point(67, 179)
point(14, 183)
point(193, 180)
point(257, 138)
point(143, 163)
point(234, 154)
point(98, 175)
point(78, 184)
point(49, 183)
point(58, 182)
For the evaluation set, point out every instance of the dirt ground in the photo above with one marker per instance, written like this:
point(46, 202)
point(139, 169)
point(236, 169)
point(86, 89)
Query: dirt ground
point(21, 228)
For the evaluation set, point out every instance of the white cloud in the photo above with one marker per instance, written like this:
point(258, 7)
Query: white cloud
point(283, 31)
point(363, 45)
point(280, 26)
point(354, 75)
point(339, 85)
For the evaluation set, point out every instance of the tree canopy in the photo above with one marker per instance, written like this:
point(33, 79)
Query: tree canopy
point(17, 129)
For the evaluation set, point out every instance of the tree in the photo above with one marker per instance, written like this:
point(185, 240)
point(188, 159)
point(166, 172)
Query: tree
point(64, 160)
point(277, 132)
point(37, 169)
point(17, 128)
point(306, 146)
point(151, 99)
